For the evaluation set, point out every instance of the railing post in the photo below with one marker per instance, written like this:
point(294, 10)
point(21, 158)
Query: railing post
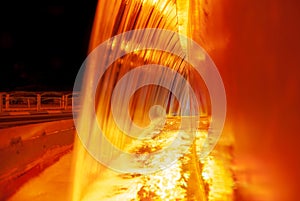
point(66, 102)
point(38, 102)
point(62, 102)
point(7, 101)
point(28, 103)
point(1, 102)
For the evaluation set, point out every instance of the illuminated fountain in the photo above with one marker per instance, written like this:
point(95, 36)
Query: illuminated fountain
point(260, 163)
point(151, 154)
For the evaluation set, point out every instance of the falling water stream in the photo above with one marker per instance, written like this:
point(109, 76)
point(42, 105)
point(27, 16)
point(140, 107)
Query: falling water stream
point(142, 168)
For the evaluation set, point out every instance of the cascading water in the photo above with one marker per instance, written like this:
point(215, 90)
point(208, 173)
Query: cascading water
point(133, 159)
point(248, 40)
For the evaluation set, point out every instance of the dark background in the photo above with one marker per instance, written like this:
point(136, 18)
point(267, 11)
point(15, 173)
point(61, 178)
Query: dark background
point(43, 43)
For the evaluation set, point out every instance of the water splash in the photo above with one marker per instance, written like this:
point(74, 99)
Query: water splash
point(128, 15)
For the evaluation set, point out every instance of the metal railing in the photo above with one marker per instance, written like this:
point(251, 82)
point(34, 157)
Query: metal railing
point(36, 101)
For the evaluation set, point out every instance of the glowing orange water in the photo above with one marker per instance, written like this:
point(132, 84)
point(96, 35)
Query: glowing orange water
point(259, 63)
point(124, 16)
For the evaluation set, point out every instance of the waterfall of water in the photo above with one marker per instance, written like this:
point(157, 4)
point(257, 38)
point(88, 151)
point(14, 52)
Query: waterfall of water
point(177, 88)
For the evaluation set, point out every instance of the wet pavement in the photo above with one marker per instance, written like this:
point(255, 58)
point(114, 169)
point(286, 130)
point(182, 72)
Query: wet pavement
point(184, 177)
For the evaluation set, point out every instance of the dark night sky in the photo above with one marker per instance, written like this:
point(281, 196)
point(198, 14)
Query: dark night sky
point(43, 43)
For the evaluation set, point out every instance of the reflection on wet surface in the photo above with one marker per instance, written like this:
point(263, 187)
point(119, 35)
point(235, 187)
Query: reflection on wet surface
point(187, 178)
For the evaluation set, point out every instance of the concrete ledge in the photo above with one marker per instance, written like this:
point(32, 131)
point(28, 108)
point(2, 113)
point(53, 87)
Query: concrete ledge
point(24, 159)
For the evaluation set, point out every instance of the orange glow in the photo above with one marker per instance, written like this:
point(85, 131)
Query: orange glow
point(254, 45)
point(181, 181)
